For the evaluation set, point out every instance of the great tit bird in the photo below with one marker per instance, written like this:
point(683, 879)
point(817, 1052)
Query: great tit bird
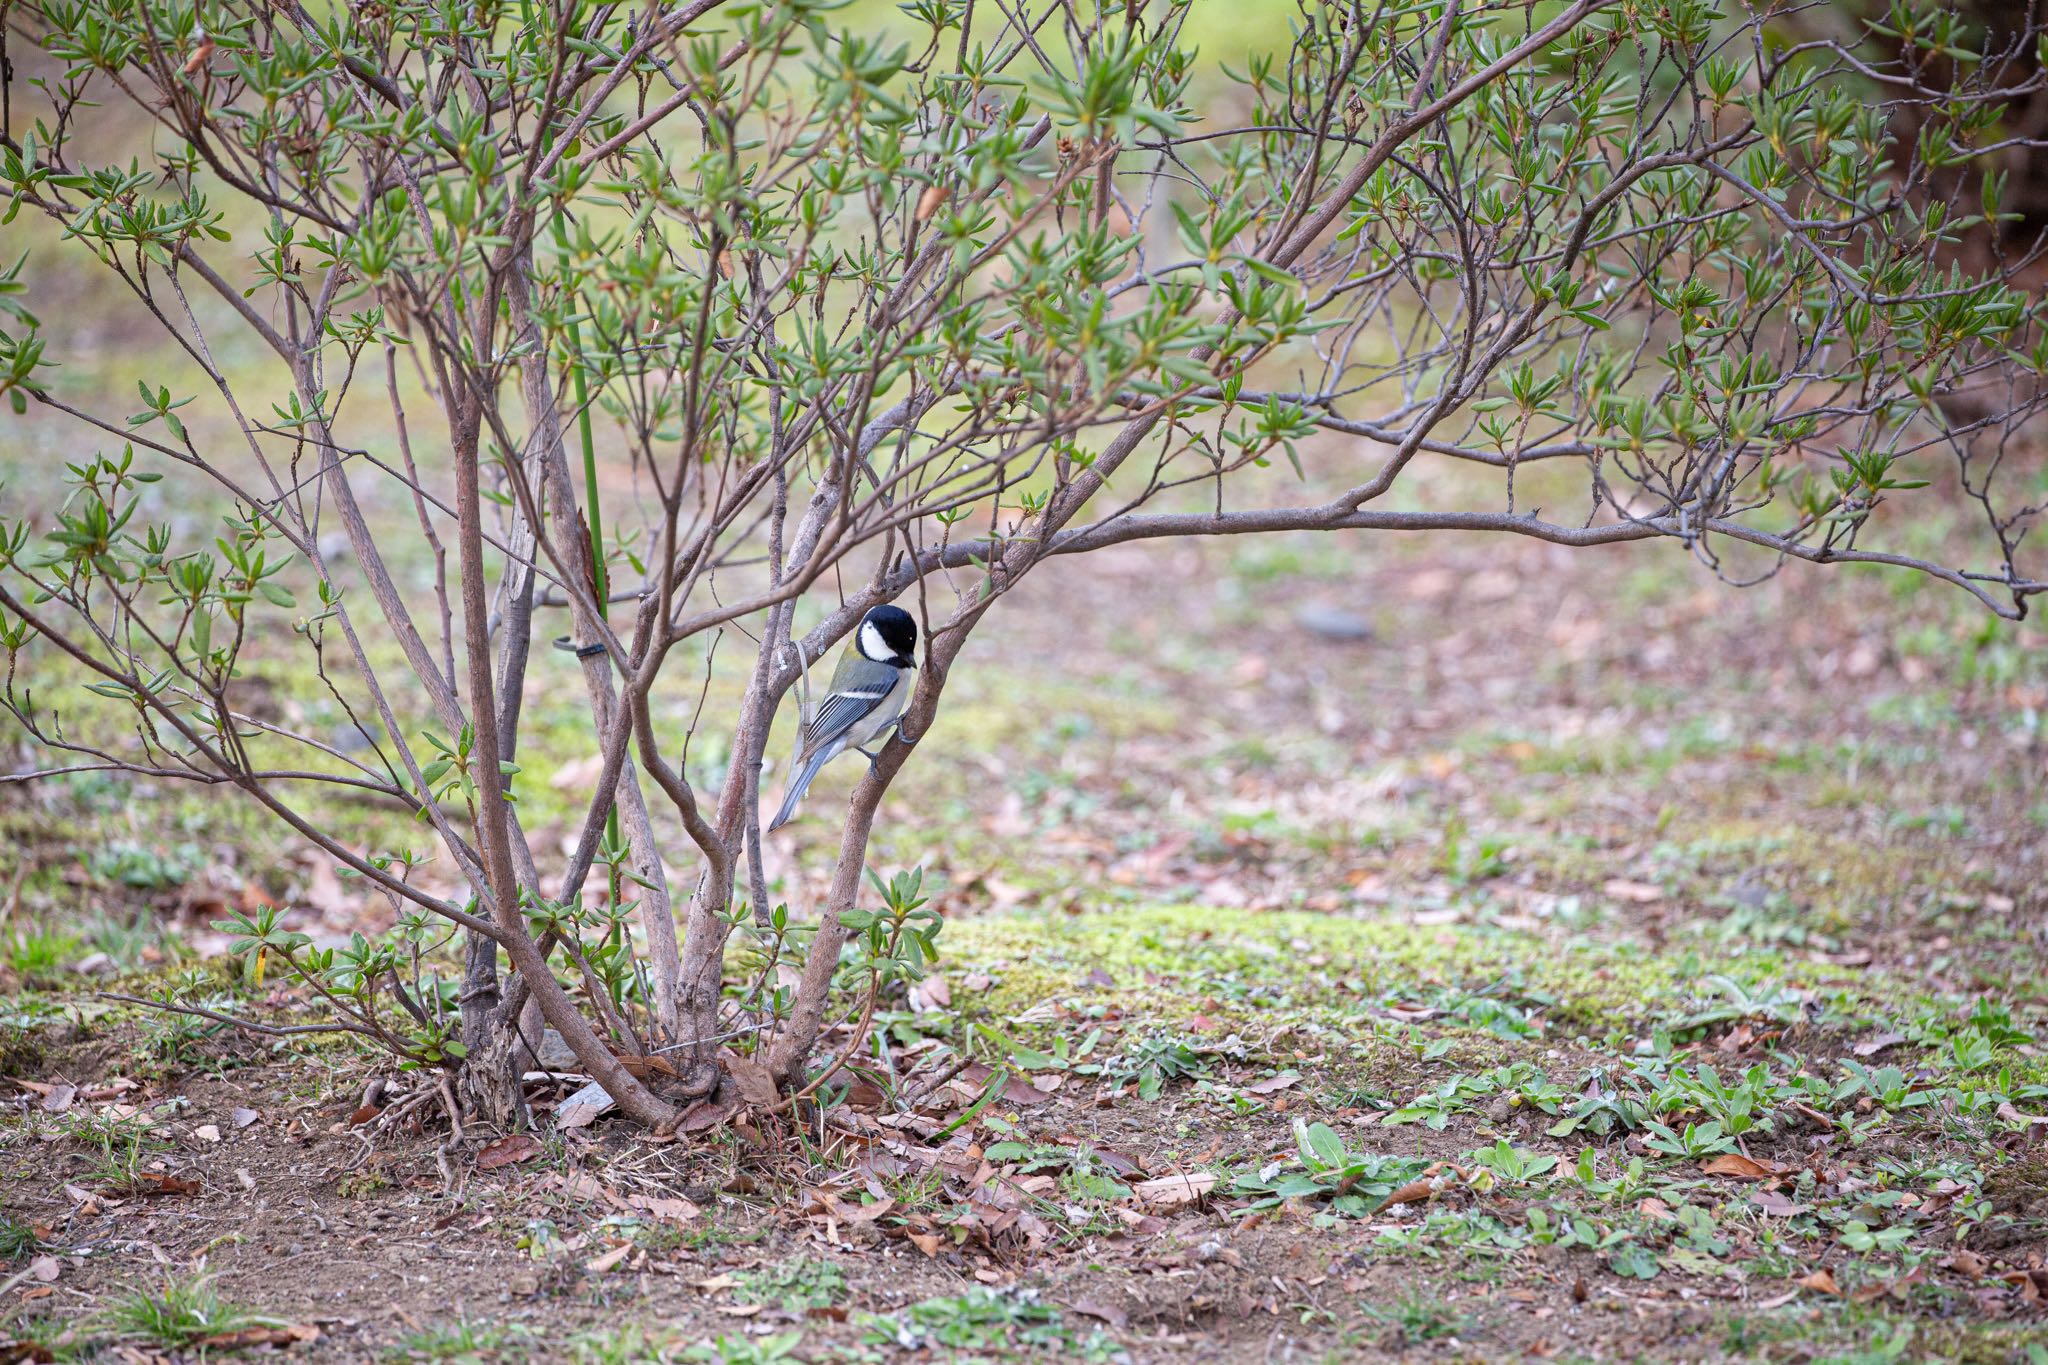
point(870, 688)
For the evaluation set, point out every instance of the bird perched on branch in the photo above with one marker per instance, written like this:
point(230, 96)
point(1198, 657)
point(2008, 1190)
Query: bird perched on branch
point(870, 688)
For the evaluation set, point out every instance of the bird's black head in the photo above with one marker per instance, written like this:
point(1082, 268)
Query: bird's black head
point(888, 635)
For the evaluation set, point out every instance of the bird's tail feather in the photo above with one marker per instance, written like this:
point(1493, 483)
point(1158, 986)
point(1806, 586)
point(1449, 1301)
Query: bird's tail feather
point(798, 785)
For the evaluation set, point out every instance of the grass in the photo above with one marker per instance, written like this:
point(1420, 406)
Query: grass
point(1415, 1319)
point(462, 1342)
point(962, 1326)
point(794, 1286)
point(18, 1241)
point(177, 1313)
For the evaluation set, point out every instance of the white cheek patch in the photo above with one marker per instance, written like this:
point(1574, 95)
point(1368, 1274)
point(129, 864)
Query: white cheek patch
point(871, 644)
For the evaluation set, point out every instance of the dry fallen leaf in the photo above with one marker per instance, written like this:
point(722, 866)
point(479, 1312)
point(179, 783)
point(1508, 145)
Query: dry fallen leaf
point(705, 1114)
point(207, 1132)
point(1106, 1312)
point(1739, 1167)
point(1273, 1083)
point(2031, 1283)
point(1966, 1262)
point(756, 1084)
point(1821, 1281)
point(1897, 1288)
point(242, 1118)
point(508, 1151)
point(675, 1209)
point(930, 995)
point(1642, 893)
point(824, 1204)
point(1870, 1047)
point(648, 1068)
point(2012, 1115)
point(1414, 1192)
point(1174, 1191)
point(1776, 1205)
point(1141, 1224)
point(248, 1338)
point(581, 1109)
point(599, 1264)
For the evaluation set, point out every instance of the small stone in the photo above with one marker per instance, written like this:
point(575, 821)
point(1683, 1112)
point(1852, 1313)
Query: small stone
point(554, 1053)
point(1333, 623)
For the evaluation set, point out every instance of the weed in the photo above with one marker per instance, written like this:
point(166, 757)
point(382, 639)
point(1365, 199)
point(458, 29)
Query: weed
point(117, 1145)
point(794, 1286)
point(360, 1184)
point(52, 1339)
point(18, 1241)
point(774, 1350)
point(39, 954)
point(1150, 1062)
point(1417, 1318)
point(177, 1313)
point(1697, 1140)
point(628, 1345)
point(1464, 860)
point(986, 1320)
point(461, 1343)
point(1354, 1183)
point(143, 868)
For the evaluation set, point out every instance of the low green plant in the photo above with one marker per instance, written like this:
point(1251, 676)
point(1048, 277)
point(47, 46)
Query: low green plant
point(18, 1241)
point(460, 1343)
point(631, 1344)
point(986, 1320)
point(725, 1350)
point(117, 1144)
point(142, 867)
point(1083, 1172)
point(1419, 1317)
point(793, 1286)
point(1886, 1086)
point(1150, 1062)
point(1695, 1140)
point(1350, 1183)
point(177, 1312)
point(38, 953)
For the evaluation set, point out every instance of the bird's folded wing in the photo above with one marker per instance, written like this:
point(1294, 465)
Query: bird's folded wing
point(841, 711)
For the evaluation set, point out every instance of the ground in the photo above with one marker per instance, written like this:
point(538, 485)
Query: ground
point(1362, 948)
